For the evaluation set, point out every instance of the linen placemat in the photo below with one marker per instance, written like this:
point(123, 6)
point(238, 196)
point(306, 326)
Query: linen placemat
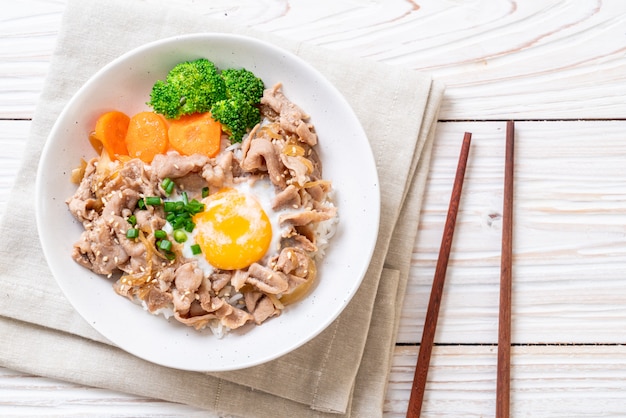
point(344, 370)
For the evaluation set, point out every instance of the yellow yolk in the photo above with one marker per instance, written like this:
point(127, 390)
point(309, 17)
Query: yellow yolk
point(233, 230)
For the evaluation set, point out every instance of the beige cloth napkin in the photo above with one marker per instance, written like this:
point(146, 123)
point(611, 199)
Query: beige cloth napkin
point(342, 372)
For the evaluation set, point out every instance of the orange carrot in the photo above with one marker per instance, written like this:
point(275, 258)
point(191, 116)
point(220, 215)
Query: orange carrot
point(111, 130)
point(146, 136)
point(195, 133)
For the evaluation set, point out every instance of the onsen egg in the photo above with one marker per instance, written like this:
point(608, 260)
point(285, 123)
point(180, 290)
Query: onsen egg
point(233, 231)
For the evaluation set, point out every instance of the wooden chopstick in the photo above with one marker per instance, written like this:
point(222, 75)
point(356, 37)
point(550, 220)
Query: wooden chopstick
point(430, 323)
point(503, 384)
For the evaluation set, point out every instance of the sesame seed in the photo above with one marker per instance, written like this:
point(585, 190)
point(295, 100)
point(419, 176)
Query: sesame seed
point(105, 258)
point(176, 167)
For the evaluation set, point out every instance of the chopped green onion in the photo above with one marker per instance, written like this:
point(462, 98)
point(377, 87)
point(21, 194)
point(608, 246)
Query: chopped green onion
point(180, 236)
point(179, 222)
point(141, 204)
point(160, 234)
point(169, 206)
point(170, 256)
point(180, 213)
point(132, 219)
point(165, 245)
point(132, 233)
point(194, 207)
point(205, 192)
point(195, 249)
point(153, 201)
point(168, 185)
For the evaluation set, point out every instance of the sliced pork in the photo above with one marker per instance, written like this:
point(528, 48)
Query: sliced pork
point(111, 197)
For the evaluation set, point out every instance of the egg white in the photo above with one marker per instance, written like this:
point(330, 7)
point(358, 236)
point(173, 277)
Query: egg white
point(263, 191)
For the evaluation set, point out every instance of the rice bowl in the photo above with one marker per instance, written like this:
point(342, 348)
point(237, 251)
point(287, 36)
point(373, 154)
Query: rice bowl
point(344, 261)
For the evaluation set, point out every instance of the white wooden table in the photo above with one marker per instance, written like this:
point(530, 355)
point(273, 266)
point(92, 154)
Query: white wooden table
point(556, 67)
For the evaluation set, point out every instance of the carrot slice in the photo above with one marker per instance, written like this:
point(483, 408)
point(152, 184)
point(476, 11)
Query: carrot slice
point(197, 133)
point(146, 136)
point(111, 130)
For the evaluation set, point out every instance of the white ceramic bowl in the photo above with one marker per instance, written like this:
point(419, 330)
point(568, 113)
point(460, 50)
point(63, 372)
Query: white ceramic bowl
point(125, 84)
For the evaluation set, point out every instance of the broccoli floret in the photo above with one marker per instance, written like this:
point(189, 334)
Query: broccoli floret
point(237, 116)
point(189, 87)
point(232, 96)
point(241, 82)
point(240, 112)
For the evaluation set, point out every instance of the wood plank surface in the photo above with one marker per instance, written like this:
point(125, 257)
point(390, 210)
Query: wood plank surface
point(534, 59)
point(558, 67)
point(588, 382)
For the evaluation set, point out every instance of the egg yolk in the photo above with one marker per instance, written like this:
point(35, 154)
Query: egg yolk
point(233, 231)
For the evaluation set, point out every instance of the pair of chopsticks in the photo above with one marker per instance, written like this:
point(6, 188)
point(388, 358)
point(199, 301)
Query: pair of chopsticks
point(504, 331)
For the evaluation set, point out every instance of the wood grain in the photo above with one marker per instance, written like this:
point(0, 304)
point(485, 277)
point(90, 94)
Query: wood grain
point(536, 59)
point(590, 381)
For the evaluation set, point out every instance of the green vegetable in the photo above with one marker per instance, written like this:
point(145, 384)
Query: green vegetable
point(132, 219)
point(152, 200)
point(132, 233)
point(189, 87)
point(160, 234)
point(168, 186)
point(180, 236)
point(239, 112)
point(236, 116)
point(243, 85)
point(165, 245)
point(195, 249)
point(232, 96)
point(180, 213)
